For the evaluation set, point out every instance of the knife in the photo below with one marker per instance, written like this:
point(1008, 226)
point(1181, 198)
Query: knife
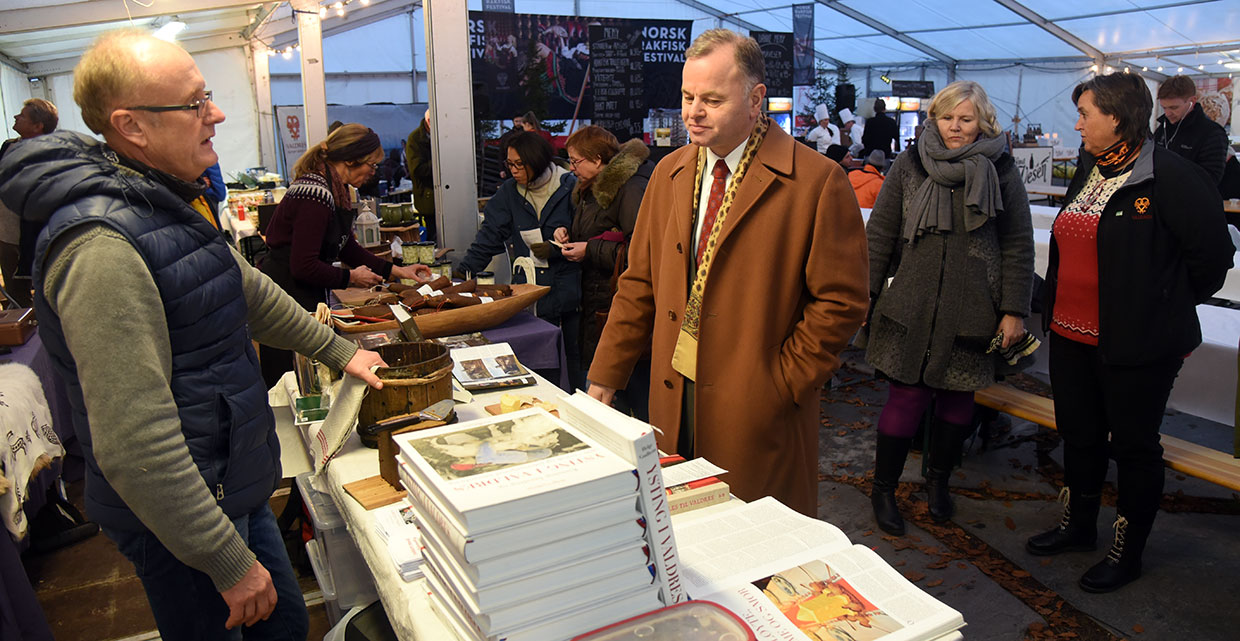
point(408, 326)
point(444, 410)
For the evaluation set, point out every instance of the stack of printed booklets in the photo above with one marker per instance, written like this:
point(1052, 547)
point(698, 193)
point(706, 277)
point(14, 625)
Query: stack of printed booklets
point(536, 528)
point(397, 526)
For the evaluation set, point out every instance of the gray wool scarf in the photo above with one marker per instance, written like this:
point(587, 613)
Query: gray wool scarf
point(972, 166)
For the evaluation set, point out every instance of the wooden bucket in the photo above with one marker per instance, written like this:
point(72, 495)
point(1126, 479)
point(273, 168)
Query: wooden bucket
point(418, 375)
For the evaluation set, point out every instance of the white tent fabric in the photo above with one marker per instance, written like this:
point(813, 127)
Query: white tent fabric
point(1027, 69)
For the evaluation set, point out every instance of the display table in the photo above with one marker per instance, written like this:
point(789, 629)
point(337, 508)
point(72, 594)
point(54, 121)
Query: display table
point(407, 604)
point(537, 343)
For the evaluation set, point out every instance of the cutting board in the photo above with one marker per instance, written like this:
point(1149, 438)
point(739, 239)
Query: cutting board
point(373, 492)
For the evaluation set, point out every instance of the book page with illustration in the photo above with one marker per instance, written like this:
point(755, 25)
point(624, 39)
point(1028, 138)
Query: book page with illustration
point(792, 577)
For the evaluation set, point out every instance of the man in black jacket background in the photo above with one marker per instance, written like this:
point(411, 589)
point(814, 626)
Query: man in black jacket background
point(1186, 129)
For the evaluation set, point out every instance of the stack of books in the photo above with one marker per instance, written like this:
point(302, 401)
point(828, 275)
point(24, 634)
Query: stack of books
point(533, 529)
point(398, 528)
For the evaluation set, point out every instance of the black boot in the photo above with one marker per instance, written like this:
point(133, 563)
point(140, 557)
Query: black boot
point(1123, 563)
point(1077, 530)
point(889, 455)
point(945, 442)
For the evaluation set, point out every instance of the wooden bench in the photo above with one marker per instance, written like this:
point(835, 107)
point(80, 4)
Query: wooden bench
point(1195, 460)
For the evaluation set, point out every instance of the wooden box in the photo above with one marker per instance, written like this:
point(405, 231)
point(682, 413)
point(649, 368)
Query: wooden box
point(16, 326)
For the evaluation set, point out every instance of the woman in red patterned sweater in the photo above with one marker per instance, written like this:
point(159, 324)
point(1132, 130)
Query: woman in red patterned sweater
point(1141, 242)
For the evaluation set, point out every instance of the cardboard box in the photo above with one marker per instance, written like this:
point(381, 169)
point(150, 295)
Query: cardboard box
point(16, 325)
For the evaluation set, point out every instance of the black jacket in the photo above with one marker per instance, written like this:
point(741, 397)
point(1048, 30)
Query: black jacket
point(1163, 248)
point(880, 132)
point(1197, 138)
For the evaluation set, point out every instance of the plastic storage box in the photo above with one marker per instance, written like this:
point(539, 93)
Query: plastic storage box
point(350, 575)
point(691, 620)
point(324, 576)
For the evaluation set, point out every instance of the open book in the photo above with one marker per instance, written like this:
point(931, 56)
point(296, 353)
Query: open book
point(790, 577)
point(489, 366)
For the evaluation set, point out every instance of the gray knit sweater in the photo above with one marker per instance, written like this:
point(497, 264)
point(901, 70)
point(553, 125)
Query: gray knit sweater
point(933, 323)
point(115, 315)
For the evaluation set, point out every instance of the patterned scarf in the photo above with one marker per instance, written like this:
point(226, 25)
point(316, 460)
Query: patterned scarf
point(684, 357)
point(1113, 159)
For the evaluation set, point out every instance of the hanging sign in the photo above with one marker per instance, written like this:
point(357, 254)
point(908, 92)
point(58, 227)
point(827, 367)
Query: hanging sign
point(777, 53)
point(803, 71)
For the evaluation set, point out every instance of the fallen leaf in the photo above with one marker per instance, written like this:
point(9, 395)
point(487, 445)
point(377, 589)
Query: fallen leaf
point(937, 582)
point(914, 576)
point(1138, 629)
point(1007, 521)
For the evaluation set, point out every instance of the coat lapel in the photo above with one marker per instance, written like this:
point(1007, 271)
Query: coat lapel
point(774, 159)
point(683, 175)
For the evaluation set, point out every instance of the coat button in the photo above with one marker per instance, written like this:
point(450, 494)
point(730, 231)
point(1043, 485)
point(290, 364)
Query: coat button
point(679, 249)
point(671, 316)
point(667, 384)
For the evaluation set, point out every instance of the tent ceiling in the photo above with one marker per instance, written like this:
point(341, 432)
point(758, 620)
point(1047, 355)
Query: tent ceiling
point(46, 36)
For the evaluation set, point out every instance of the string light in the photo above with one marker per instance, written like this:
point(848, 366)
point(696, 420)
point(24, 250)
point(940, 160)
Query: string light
point(339, 6)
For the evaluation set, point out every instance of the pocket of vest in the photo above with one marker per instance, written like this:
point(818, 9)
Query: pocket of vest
point(222, 450)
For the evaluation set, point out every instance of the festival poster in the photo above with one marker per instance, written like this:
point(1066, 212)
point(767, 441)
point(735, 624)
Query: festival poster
point(1216, 96)
point(803, 44)
point(501, 46)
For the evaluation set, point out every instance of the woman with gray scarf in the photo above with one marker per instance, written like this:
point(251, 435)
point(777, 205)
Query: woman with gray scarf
point(951, 274)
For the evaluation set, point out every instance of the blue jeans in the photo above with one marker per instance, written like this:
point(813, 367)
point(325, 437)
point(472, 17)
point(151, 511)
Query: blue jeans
point(186, 604)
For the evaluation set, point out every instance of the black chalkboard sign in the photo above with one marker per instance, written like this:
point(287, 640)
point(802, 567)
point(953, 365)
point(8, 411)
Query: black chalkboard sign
point(616, 78)
point(777, 52)
point(912, 88)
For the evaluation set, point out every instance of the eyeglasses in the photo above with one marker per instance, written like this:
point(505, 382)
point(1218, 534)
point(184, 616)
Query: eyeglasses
point(198, 106)
point(514, 164)
point(574, 162)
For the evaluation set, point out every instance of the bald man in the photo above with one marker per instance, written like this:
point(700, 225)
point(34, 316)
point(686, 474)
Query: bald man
point(148, 315)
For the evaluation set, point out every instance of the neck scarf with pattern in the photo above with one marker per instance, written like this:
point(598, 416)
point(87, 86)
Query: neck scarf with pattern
point(684, 357)
point(1113, 159)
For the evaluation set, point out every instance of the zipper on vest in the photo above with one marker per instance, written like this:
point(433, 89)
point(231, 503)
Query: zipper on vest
point(219, 491)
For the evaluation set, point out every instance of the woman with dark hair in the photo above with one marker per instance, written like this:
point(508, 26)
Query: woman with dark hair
point(536, 197)
point(312, 228)
point(951, 276)
point(530, 122)
point(1139, 244)
point(611, 180)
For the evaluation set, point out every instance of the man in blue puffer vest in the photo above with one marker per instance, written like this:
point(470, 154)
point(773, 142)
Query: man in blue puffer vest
point(149, 315)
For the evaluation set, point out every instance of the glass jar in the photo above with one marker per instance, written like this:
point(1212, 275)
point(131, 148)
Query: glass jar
point(485, 278)
point(409, 253)
point(426, 252)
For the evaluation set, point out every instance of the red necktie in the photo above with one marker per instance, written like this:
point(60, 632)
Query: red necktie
point(720, 172)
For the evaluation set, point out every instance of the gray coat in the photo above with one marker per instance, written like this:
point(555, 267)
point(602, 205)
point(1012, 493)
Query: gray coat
point(933, 323)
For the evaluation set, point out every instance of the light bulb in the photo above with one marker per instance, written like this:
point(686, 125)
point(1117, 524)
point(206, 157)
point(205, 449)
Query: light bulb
point(322, 12)
point(340, 11)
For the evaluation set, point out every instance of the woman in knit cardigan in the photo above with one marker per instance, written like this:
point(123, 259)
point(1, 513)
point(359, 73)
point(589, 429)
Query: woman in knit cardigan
point(1140, 243)
point(313, 227)
point(951, 274)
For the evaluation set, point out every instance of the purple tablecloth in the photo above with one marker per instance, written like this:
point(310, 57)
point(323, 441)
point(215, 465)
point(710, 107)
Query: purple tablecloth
point(537, 344)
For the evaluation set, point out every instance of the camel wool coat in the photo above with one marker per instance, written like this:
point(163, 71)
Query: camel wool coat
point(787, 290)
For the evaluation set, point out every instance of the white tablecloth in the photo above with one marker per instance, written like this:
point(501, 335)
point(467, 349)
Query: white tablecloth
point(407, 604)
